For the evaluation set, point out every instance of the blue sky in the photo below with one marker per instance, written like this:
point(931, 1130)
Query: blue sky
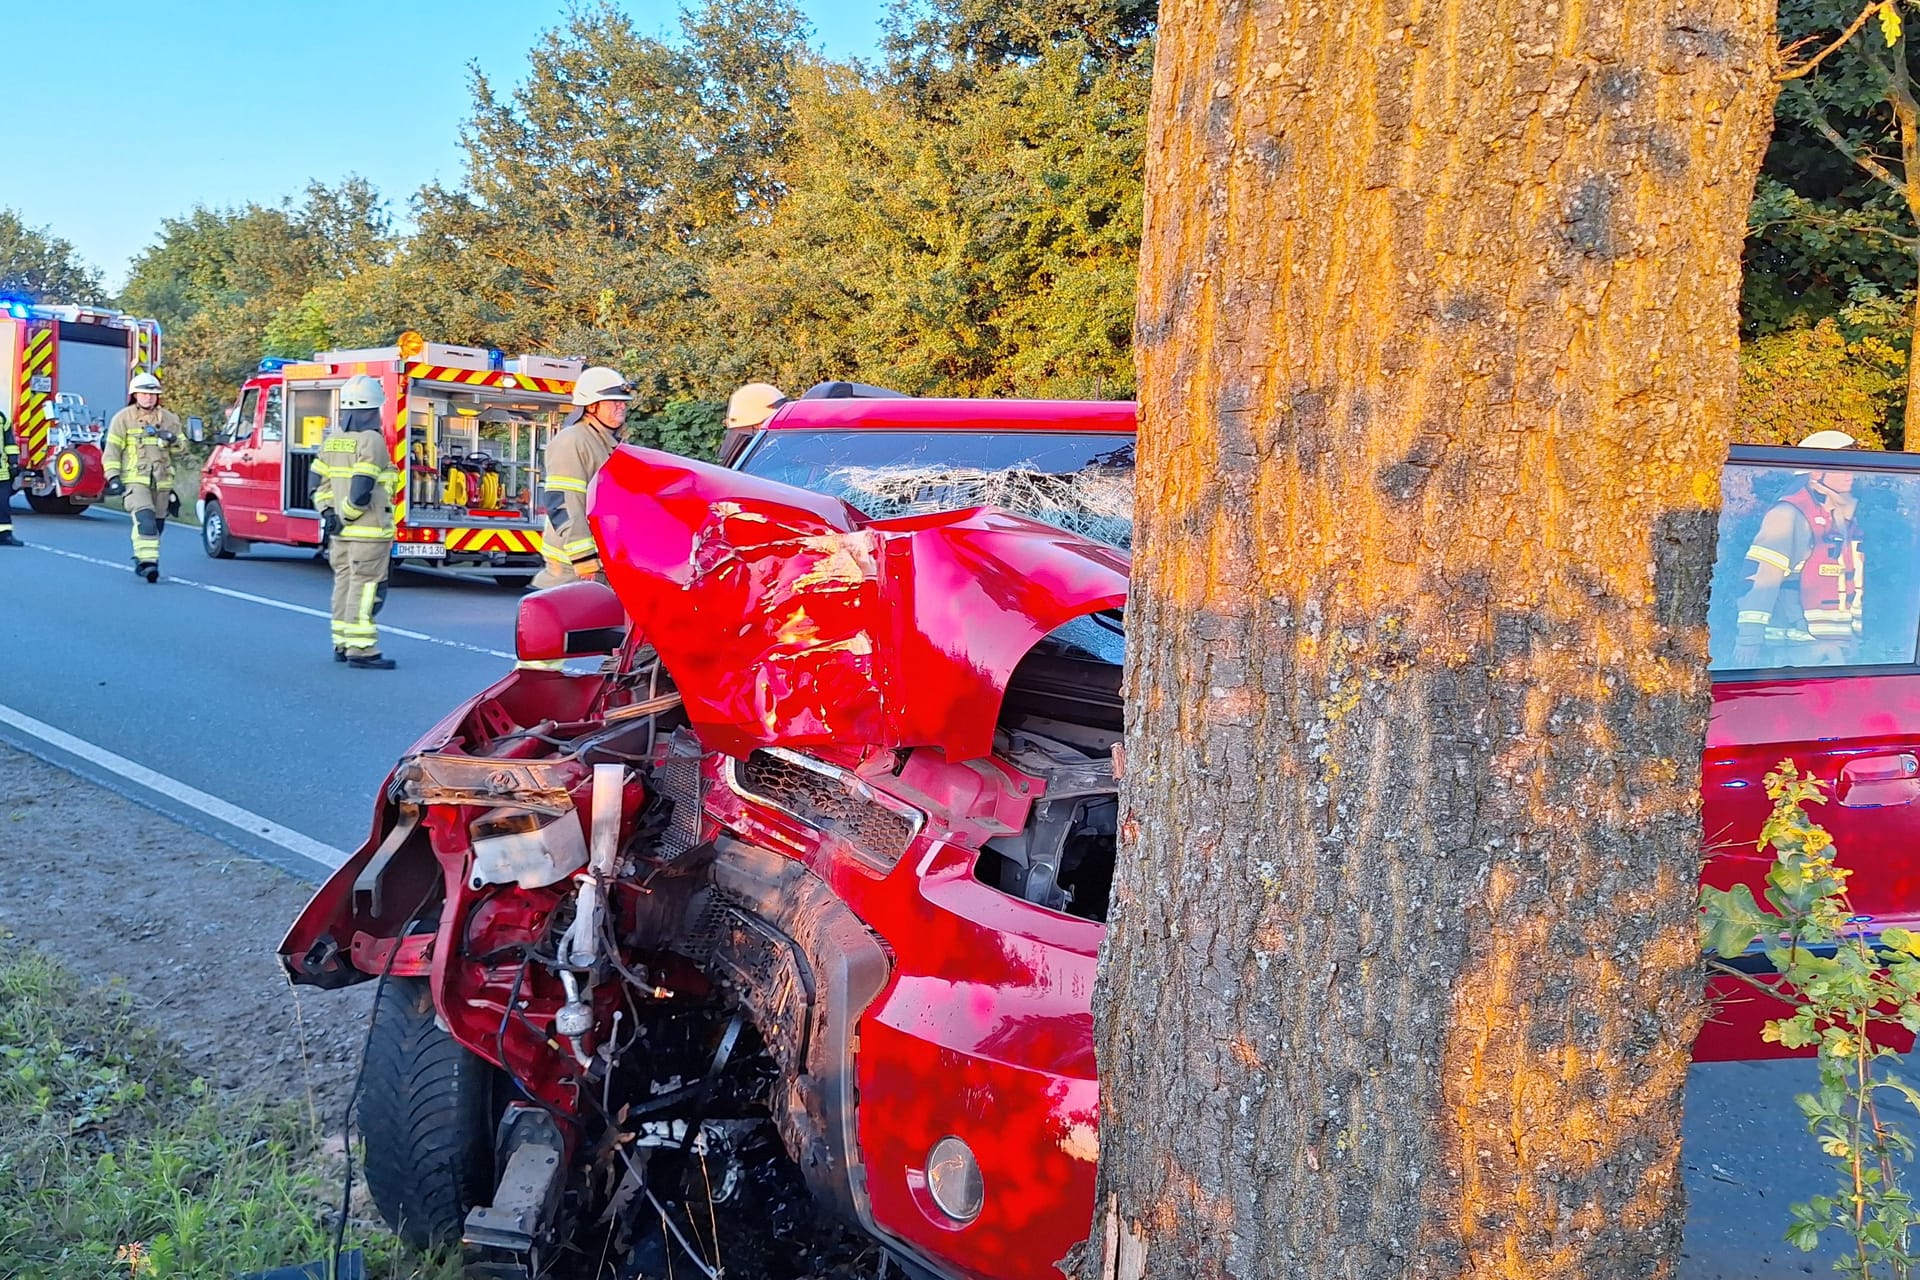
point(152, 108)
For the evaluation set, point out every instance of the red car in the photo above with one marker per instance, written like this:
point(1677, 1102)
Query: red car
point(797, 900)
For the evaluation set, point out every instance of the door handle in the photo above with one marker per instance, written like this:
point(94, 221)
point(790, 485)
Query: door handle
point(1879, 781)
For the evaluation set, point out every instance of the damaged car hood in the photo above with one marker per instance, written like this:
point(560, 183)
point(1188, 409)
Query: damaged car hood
point(787, 618)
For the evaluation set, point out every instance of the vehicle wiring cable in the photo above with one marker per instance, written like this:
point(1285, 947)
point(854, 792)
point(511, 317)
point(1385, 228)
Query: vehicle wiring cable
point(500, 1047)
point(359, 1080)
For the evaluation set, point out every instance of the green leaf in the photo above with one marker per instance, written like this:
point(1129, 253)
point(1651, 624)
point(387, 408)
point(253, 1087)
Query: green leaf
point(1804, 1236)
point(1730, 920)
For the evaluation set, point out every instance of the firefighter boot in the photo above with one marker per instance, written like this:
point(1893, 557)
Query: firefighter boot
point(6, 535)
point(146, 533)
point(372, 663)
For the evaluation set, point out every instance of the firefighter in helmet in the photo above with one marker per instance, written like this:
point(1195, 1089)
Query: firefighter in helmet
point(575, 454)
point(9, 468)
point(357, 481)
point(1807, 576)
point(142, 442)
point(748, 407)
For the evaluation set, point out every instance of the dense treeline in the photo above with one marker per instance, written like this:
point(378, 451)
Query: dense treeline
point(961, 216)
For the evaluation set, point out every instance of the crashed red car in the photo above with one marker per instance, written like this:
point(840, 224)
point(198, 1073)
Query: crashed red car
point(795, 903)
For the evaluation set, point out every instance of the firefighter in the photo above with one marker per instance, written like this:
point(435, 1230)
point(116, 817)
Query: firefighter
point(582, 447)
point(753, 404)
point(9, 468)
point(357, 482)
point(142, 441)
point(1806, 587)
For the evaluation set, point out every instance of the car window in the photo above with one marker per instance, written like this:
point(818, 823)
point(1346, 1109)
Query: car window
point(271, 428)
point(1815, 569)
point(243, 421)
point(1081, 481)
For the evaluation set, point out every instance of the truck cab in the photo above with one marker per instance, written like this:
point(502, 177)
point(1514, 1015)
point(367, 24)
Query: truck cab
point(466, 428)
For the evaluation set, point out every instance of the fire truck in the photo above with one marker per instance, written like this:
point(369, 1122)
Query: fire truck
point(467, 429)
point(63, 375)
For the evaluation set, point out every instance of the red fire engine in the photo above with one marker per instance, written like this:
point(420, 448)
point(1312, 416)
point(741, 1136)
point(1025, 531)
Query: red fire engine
point(63, 374)
point(467, 429)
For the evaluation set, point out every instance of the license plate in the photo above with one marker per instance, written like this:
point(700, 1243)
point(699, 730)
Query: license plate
point(418, 551)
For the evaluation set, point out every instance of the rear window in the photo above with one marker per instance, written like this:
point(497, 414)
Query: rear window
point(1079, 481)
point(1816, 568)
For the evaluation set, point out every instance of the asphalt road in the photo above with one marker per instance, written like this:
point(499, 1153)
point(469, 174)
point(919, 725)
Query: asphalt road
point(212, 696)
point(221, 676)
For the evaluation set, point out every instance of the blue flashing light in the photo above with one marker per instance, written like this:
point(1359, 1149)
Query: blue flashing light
point(14, 307)
point(496, 359)
point(274, 364)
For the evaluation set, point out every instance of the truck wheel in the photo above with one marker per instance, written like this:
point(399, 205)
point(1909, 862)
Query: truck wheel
point(55, 504)
point(427, 1115)
point(213, 533)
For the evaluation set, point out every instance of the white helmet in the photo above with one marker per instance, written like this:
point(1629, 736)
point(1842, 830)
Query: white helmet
point(600, 383)
point(144, 384)
point(1828, 439)
point(753, 404)
point(362, 391)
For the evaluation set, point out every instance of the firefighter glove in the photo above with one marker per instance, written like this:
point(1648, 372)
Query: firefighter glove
point(173, 504)
point(116, 487)
point(330, 522)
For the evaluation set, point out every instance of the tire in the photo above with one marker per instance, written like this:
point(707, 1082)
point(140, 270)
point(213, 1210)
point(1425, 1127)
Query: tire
point(55, 504)
point(427, 1114)
point(213, 533)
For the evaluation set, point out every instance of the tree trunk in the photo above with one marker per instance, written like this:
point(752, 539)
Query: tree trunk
point(1437, 342)
point(1910, 417)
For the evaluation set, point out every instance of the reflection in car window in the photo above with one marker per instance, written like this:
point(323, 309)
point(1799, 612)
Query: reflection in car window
point(1815, 568)
point(1082, 481)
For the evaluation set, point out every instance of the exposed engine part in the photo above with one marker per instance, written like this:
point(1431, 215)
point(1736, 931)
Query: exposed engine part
point(528, 847)
point(525, 1203)
point(1063, 858)
point(581, 945)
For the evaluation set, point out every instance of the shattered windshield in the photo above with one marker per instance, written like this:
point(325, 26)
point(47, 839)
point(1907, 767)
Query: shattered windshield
point(1081, 481)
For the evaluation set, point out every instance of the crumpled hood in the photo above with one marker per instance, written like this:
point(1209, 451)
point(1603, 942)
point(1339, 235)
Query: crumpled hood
point(787, 618)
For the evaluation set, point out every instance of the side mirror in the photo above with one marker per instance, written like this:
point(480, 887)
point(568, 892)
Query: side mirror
point(578, 620)
point(196, 431)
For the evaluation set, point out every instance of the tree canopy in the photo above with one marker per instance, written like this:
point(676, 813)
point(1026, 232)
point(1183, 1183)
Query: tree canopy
point(38, 266)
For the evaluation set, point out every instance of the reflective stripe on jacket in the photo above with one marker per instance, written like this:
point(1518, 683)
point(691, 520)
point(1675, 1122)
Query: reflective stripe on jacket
point(137, 452)
point(356, 465)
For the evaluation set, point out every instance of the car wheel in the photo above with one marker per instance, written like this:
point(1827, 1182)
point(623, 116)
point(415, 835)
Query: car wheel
point(213, 533)
point(427, 1113)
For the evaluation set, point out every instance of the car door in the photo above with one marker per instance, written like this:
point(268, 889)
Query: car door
point(232, 468)
point(1845, 710)
point(267, 468)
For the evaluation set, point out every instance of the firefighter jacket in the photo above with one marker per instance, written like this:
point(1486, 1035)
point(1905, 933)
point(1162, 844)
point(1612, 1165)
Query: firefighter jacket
point(357, 482)
point(1808, 575)
point(9, 455)
point(574, 457)
point(138, 451)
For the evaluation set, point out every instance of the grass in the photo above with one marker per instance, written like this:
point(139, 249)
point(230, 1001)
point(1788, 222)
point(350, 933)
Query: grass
point(116, 1163)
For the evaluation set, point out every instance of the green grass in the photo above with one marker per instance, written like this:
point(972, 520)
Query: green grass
point(116, 1163)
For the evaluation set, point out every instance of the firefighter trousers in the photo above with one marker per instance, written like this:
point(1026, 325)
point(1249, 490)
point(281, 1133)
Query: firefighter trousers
point(148, 507)
point(360, 567)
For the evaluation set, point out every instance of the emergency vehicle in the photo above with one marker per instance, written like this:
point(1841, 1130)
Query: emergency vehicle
point(467, 429)
point(63, 374)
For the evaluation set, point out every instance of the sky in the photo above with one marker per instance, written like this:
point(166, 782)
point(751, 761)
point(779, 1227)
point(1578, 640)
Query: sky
point(145, 110)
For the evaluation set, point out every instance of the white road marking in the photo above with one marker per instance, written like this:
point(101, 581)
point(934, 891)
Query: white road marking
point(402, 632)
point(325, 855)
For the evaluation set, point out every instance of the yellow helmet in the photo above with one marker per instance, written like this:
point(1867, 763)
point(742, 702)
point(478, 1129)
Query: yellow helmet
point(753, 404)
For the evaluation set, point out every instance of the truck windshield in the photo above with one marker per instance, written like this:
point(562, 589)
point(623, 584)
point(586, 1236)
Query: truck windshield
point(1075, 480)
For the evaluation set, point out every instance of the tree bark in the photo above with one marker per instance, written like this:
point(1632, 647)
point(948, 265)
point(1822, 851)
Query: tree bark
point(1437, 341)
